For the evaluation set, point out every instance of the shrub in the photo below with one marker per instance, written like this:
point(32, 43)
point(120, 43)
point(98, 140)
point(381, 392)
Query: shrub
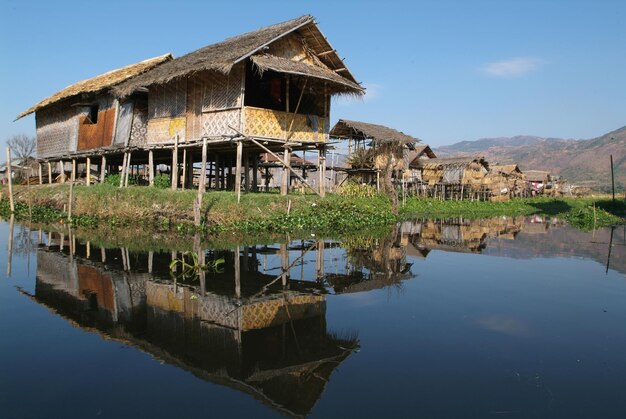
point(162, 181)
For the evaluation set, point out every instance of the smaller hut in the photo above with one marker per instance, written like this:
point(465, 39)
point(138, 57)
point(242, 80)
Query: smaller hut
point(421, 152)
point(374, 149)
point(454, 178)
point(505, 182)
point(538, 182)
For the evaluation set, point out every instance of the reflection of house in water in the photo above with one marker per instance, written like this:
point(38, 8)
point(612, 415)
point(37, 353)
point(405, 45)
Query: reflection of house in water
point(455, 234)
point(259, 334)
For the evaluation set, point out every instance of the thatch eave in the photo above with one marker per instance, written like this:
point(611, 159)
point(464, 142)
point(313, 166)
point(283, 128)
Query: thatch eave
point(379, 134)
point(99, 83)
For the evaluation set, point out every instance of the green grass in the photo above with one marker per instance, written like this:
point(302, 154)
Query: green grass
point(356, 209)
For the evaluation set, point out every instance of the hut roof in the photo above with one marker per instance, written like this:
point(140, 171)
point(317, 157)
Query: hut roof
point(436, 163)
point(224, 55)
point(419, 151)
point(506, 168)
point(100, 82)
point(536, 175)
point(363, 130)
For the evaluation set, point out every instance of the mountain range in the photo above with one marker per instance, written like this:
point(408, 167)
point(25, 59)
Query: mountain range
point(577, 161)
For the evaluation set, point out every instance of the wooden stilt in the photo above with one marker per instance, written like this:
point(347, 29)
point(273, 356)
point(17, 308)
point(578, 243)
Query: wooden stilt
point(238, 170)
point(255, 173)
point(150, 168)
point(40, 170)
point(10, 180)
point(123, 170)
point(267, 179)
point(103, 168)
point(62, 170)
point(229, 175)
point(49, 173)
point(217, 172)
point(175, 165)
point(323, 173)
point(284, 184)
point(184, 181)
point(88, 179)
point(202, 180)
point(127, 171)
point(73, 175)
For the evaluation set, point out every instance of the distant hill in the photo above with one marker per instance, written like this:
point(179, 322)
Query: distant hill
point(575, 160)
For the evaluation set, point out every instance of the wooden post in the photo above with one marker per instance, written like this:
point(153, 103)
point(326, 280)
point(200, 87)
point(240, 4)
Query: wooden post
point(103, 166)
point(322, 174)
point(175, 165)
point(123, 170)
point(612, 183)
point(73, 174)
point(267, 179)
point(284, 184)
point(49, 173)
point(88, 180)
point(237, 272)
point(238, 170)
point(184, 169)
point(217, 172)
point(62, 170)
point(40, 170)
point(202, 180)
point(151, 168)
point(10, 180)
point(127, 171)
point(69, 202)
point(10, 241)
point(150, 258)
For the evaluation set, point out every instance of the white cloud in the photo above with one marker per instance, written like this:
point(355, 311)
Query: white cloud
point(515, 67)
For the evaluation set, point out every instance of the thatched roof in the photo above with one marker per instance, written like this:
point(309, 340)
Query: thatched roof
point(419, 151)
point(283, 65)
point(378, 133)
point(435, 164)
point(224, 55)
point(101, 82)
point(536, 175)
point(506, 169)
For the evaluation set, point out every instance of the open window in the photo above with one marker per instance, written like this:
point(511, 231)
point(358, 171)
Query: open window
point(92, 115)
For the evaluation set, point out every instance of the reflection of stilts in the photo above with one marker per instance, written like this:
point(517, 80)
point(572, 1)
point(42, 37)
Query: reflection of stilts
point(319, 261)
point(608, 258)
point(237, 273)
point(10, 244)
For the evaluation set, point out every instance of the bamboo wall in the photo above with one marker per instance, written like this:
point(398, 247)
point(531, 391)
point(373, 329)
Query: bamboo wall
point(57, 130)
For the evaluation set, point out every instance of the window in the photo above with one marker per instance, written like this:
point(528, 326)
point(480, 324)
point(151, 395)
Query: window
point(92, 115)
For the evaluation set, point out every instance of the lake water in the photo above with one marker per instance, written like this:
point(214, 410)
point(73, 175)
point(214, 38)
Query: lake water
point(503, 318)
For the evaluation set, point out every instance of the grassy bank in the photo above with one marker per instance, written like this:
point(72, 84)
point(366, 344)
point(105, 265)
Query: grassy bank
point(355, 209)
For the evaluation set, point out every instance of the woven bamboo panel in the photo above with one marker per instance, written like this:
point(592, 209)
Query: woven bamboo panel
point(165, 129)
point(168, 100)
point(215, 124)
point(139, 129)
point(269, 313)
point(274, 124)
point(57, 132)
point(221, 91)
point(165, 297)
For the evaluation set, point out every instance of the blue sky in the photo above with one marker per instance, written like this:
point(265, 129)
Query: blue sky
point(444, 71)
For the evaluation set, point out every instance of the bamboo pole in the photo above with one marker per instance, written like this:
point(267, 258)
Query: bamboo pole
point(123, 170)
point(73, 175)
point(10, 243)
point(88, 179)
point(69, 203)
point(175, 165)
point(10, 180)
point(323, 173)
point(127, 171)
point(62, 170)
point(184, 169)
point(284, 182)
point(103, 168)
point(237, 273)
point(49, 173)
point(238, 170)
point(40, 172)
point(202, 180)
point(612, 181)
point(151, 168)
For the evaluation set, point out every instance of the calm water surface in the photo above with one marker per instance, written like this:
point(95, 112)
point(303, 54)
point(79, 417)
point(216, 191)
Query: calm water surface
point(503, 318)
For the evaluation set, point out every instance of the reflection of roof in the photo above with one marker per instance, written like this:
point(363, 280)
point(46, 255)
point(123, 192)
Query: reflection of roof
point(100, 82)
point(363, 130)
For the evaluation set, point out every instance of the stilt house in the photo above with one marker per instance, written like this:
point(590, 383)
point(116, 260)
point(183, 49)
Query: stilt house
point(264, 91)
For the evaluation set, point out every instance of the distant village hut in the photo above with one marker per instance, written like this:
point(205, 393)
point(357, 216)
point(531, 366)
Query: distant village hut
point(538, 182)
point(377, 154)
point(505, 182)
point(454, 178)
point(266, 91)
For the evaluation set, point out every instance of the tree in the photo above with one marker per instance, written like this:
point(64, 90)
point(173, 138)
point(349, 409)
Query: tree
point(23, 148)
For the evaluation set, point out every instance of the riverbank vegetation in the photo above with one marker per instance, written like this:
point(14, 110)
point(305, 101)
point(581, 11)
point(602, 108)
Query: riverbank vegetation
point(353, 208)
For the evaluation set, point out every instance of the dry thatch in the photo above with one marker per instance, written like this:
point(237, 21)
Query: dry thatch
point(379, 134)
point(101, 82)
point(537, 175)
point(419, 152)
point(283, 65)
point(507, 169)
point(224, 55)
point(464, 162)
